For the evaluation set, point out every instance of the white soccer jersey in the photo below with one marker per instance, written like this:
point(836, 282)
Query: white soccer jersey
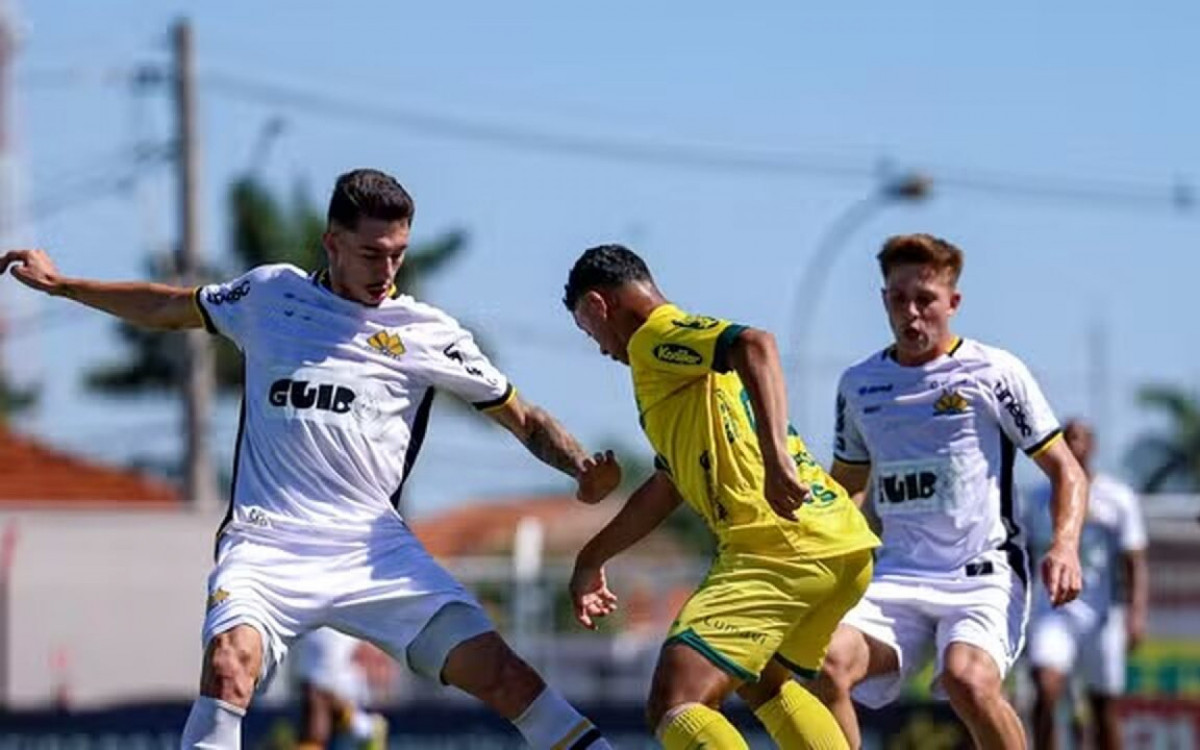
point(1113, 526)
point(941, 440)
point(336, 401)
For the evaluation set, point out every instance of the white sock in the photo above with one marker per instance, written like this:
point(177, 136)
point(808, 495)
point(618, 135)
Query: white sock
point(550, 722)
point(362, 725)
point(213, 725)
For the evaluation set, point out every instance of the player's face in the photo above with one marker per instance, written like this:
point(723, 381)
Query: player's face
point(920, 302)
point(1080, 440)
point(363, 262)
point(593, 315)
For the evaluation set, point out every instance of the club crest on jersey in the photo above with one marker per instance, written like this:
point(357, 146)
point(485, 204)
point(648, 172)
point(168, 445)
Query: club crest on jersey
point(216, 598)
point(386, 343)
point(951, 402)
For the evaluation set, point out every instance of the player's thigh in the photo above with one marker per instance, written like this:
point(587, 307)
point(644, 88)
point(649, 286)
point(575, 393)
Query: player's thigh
point(1053, 643)
point(1103, 657)
point(686, 675)
point(803, 650)
point(988, 613)
point(746, 606)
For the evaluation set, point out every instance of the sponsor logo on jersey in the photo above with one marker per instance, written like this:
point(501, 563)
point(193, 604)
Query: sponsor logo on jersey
point(303, 394)
point(228, 295)
point(677, 354)
point(867, 390)
point(387, 343)
point(914, 485)
point(951, 402)
point(216, 598)
point(454, 353)
point(1015, 408)
point(696, 322)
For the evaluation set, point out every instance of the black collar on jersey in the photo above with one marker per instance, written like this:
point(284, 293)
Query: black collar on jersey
point(321, 278)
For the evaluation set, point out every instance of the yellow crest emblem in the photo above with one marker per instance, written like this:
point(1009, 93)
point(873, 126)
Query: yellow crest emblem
point(387, 343)
point(216, 598)
point(951, 402)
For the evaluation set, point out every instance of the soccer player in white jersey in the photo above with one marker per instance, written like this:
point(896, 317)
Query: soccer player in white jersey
point(340, 375)
point(928, 428)
point(333, 689)
point(1093, 633)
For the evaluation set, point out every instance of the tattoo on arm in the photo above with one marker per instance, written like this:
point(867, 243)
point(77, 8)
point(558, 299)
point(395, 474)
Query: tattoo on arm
point(550, 442)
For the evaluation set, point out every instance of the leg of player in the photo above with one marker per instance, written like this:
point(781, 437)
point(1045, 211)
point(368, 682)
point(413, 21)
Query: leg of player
point(1104, 721)
point(793, 716)
point(485, 667)
point(685, 700)
point(972, 680)
point(853, 657)
point(1049, 684)
point(316, 717)
point(232, 663)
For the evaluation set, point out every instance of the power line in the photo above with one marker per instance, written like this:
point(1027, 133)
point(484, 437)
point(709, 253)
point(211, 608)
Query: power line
point(1179, 196)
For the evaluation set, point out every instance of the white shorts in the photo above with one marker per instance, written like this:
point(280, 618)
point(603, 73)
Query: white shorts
point(1064, 643)
point(920, 617)
point(384, 591)
point(325, 658)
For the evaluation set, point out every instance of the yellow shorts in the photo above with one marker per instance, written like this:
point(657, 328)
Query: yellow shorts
point(752, 608)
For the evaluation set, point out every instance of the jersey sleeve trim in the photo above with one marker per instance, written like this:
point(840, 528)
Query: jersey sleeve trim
point(509, 394)
point(851, 462)
point(724, 342)
point(1044, 444)
point(208, 321)
point(660, 464)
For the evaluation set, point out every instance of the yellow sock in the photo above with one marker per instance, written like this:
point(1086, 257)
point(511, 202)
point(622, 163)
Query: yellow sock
point(796, 719)
point(698, 726)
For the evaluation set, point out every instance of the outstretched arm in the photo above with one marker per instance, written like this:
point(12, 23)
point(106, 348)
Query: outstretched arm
point(553, 445)
point(755, 357)
point(142, 303)
point(645, 509)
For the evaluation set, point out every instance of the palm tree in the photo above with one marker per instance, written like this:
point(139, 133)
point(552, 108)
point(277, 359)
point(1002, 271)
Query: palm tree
point(1169, 460)
point(265, 229)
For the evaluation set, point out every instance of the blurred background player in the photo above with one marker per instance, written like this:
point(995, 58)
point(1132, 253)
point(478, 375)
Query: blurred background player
point(333, 690)
point(933, 423)
point(1090, 636)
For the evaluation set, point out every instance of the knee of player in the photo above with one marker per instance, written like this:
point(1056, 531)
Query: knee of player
point(972, 681)
point(664, 702)
point(841, 670)
point(230, 673)
point(1049, 684)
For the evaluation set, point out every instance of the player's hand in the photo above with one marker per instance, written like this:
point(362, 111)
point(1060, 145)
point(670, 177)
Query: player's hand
point(1135, 630)
point(33, 268)
point(590, 595)
point(784, 491)
point(1062, 575)
point(598, 475)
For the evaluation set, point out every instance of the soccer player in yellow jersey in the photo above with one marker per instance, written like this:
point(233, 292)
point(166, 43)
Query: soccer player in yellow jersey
point(795, 552)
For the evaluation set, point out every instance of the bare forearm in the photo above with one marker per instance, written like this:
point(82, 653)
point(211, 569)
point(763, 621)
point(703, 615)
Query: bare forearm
point(551, 443)
point(1069, 507)
point(756, 359)
point(141, 303)
point(643, 512)
point(1139, 582)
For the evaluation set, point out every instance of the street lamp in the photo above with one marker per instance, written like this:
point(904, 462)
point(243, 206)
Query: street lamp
point(910, 187)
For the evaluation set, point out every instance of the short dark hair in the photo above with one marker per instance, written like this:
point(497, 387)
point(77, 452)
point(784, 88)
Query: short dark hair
point(603, 266)
point(369, 193)
point(921, 250)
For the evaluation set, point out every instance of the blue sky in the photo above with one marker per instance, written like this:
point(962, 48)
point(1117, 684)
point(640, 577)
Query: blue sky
point(1081, 94)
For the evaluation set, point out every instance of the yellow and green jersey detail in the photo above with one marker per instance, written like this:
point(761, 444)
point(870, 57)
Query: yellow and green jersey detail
point(698, 417)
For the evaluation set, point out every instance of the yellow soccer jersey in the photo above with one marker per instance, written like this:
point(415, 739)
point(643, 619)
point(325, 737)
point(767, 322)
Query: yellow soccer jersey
point(698, 418)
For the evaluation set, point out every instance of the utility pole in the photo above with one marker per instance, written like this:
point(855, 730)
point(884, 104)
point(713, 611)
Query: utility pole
point(198, 381)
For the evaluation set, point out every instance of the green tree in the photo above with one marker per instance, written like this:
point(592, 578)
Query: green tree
point(1169, 460)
